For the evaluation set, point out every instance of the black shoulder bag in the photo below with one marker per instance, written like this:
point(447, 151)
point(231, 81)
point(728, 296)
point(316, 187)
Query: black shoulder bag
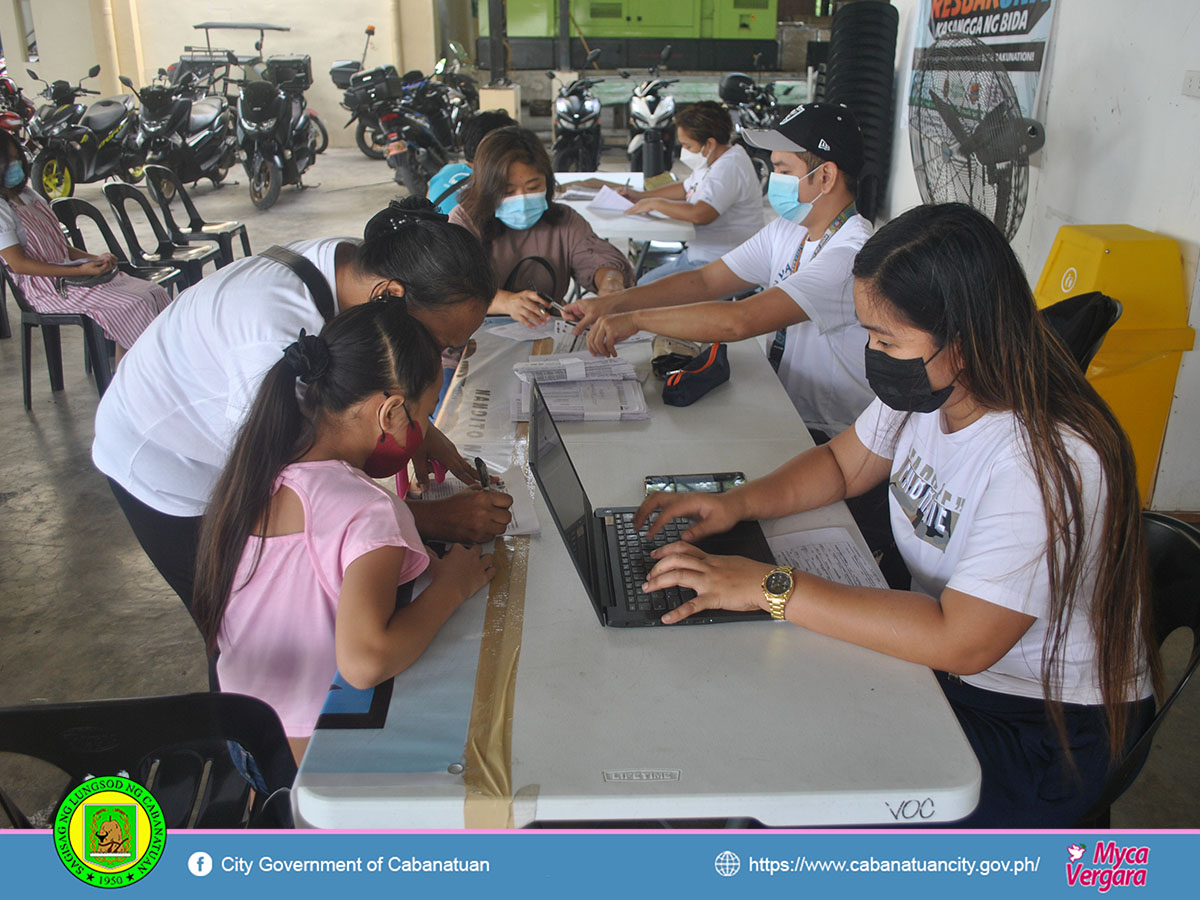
point(309, 274)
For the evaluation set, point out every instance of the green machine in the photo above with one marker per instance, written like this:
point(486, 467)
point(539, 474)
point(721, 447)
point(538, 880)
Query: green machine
point(703, 34)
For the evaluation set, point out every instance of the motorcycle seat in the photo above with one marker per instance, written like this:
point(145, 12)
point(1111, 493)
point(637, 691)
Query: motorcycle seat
point(204, 111)
point(103, 115)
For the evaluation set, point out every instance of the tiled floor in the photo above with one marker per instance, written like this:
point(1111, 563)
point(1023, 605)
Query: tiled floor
point(84, 615)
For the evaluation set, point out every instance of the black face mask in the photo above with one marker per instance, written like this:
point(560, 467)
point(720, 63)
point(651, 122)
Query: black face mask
point(903, 384)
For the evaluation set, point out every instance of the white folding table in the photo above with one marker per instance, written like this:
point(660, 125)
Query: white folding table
point(753, 719)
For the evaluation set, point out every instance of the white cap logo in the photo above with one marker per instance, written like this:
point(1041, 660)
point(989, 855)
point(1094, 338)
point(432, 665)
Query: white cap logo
point(795, 112)
point(824, 146)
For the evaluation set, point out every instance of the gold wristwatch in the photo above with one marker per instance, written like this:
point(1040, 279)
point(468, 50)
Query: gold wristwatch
point(777, 588)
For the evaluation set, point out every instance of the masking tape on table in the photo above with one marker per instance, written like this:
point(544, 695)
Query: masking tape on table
point(488, 755)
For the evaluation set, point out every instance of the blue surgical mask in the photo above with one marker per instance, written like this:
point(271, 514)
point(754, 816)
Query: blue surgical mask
point(783, 193)
point(521, 211)
point(14, 174)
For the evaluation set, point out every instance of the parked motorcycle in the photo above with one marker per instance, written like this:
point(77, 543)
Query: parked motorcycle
point(277, 136)
point(16, 110)
point(651, 110)
point(752, 105)
point(578, 142)
point(445, 101)
point(82, 144)
point(415, 151)
point(190, 136)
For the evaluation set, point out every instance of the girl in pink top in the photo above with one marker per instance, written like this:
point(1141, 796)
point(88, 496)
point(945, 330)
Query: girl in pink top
point(301, 553)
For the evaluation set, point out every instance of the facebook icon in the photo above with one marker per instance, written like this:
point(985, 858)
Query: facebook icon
point(200, 864)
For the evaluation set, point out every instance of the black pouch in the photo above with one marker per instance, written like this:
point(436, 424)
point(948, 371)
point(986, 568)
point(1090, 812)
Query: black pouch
point(85, 281)
point(707, 370)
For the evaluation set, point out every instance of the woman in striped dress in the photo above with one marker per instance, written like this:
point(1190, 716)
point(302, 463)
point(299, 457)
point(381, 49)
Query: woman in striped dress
point(36, 253)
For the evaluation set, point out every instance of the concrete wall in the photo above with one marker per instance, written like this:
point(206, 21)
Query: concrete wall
point(1120, 148)
point(64, 52)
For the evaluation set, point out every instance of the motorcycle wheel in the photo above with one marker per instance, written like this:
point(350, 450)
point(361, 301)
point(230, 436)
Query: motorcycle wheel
point(53, 177)
point(265, 181)
point(762, 168)
point(571, 159)
point(132, 174)
point(322, 135)
point(373, 146)
point(410, 174)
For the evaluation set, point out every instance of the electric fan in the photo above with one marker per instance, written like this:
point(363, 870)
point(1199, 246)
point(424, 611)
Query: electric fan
point(969, 141)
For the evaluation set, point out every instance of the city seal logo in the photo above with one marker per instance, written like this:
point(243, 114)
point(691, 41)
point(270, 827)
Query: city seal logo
point(109, 832)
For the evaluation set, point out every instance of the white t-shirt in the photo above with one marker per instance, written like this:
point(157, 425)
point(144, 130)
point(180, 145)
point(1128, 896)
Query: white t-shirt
point(11, 230)
point(822, 366)
point(166, 424)
point(731, 187)
point(967, 514)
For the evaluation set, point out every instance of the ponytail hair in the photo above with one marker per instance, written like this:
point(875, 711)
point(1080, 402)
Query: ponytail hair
point(369, 348)
point(439, 264)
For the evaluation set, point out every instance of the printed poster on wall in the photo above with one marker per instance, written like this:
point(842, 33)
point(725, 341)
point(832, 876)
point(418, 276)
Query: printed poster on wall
point(1017, 30)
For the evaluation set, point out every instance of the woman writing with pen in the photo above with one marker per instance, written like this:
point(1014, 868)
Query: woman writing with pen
point(536, 246)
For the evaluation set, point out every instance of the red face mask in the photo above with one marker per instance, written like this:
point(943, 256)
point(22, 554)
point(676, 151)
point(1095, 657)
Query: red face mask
point(389, 457)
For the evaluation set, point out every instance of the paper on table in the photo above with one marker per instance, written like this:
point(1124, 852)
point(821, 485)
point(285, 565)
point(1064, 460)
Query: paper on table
point(828, 553)
point(517, 331)
point(512, 481)
point(608, 200)
point(577, 366)
point(587, 401)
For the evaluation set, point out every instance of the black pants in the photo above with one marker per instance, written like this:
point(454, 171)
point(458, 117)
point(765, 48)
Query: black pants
point(170, 542)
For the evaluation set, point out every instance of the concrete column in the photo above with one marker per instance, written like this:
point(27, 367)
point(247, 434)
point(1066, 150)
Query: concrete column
point(415, 26)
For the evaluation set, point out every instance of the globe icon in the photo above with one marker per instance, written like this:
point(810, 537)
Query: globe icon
point(727, 863)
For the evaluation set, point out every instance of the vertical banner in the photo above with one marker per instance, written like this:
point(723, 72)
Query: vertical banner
point(1018, 31)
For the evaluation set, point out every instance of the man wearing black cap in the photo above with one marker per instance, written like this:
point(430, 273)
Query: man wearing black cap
point(803, 262)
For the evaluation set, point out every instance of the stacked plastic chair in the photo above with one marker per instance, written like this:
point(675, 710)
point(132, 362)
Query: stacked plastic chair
point(861, 74)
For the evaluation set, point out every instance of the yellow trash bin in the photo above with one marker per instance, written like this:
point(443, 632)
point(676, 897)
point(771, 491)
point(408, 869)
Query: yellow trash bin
point(1136, 367)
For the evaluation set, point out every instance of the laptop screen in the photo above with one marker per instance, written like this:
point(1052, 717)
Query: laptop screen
point(561, 487)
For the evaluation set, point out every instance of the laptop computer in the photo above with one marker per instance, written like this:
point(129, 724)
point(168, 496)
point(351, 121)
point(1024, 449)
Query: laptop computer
point(612, 558)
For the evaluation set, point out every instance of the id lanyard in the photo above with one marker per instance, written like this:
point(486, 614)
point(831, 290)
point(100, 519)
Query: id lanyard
point(775, 354)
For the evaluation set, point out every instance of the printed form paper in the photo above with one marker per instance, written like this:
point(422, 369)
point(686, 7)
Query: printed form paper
point(829, 553)
point(512, 481)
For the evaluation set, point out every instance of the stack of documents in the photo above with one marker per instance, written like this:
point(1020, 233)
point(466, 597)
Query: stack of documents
point(577, 366)
point(587, 401)
point(579, 387)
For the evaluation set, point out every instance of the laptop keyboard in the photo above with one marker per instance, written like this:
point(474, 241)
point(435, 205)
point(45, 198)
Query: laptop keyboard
point(635, 550)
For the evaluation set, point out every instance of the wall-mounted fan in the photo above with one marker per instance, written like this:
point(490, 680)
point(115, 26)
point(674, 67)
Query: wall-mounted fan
point(969, 140)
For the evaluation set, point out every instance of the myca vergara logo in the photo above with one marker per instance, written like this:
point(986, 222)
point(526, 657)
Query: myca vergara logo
point(109, 832)
point(1109, 866)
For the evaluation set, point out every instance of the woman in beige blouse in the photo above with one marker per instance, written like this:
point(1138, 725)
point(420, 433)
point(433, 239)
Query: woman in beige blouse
point(536, 245)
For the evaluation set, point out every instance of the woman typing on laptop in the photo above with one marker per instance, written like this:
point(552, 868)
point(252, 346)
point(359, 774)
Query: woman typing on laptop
point(1013, 503)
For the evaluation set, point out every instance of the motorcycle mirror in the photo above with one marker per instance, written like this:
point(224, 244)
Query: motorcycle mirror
point(162, 71)
point(370, 30)
point(440, 67)
point(258, 46)
point(124, 79)
point(32, 74)
point(591, 57)
point(550, 74)
point(666, 53)
point(93, 71)
point(624, 73)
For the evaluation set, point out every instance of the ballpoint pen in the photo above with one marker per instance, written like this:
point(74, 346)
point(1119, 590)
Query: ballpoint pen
point(481, 468)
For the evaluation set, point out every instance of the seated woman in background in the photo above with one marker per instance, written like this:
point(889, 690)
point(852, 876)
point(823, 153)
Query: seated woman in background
point(35, 251)
point(1013, 502)
point(722, 197)
point(301, 552)
point(530, 239)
